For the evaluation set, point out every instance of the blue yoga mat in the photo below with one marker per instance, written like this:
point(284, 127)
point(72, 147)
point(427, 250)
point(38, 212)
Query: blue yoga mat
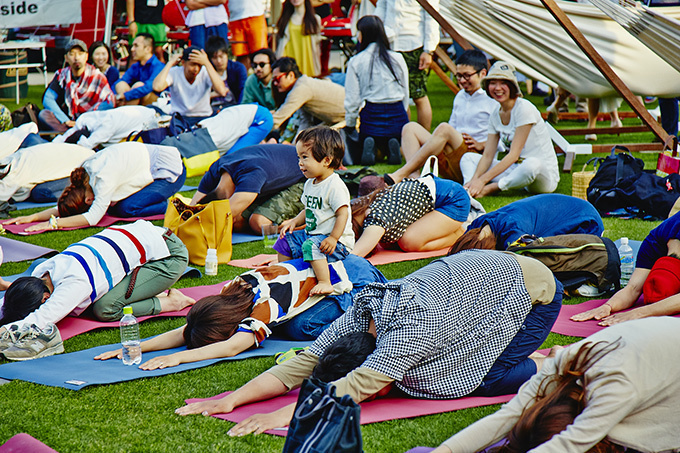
point(239, 238)
point(78, 370)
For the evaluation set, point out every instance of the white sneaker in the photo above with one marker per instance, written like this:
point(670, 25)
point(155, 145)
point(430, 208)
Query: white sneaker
point(36, 343)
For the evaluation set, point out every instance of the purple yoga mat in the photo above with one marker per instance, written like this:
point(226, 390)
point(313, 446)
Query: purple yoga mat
point(15, 251)
point(106, 221)
point(23, 443)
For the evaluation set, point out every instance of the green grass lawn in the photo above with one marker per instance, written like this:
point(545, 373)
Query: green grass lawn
point(138, 416)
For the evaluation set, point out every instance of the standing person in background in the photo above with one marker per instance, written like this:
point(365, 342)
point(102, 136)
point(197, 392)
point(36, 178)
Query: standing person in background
point(207, 18)
point(414, 33)
point(100, 57)
point(299, 34)
point(232, 73)
point(136, 85)
point(258, 87)
point(377, 78)
point(248, 28)
point(146, 16)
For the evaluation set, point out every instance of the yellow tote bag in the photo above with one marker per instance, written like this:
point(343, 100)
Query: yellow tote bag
point(201, 227)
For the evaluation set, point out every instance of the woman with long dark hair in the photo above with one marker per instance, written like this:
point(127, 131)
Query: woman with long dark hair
point(617, 390)
point(377, 77)
point(299, 36)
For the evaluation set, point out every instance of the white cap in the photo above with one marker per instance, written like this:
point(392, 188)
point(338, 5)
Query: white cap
point(624, 241)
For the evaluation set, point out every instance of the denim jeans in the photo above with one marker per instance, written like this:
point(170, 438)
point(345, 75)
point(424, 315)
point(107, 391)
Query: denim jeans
point(199, 34)
point(150, 200)
point(669, 115)
point(309, 324)
point(514, 367)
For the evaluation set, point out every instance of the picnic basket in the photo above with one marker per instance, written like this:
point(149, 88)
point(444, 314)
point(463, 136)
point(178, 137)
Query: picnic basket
point(581, 179)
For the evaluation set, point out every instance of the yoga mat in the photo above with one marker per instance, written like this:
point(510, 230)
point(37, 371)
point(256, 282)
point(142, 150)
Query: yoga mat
point(14, 251)
point(187, 188)
point(24, 443)
point(240, 238)
point(77, 370)
point(379, 410)
point(382, 256)
point(106, 221)
point(32, 204)
point(565, 326)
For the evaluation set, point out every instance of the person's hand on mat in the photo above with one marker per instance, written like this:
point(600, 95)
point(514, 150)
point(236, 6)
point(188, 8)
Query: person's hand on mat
point(207, 408)
point(598, 313)
point(259, 423)
point(42, 226)
point(328, 245)
point(160, 362)
point(287, 227)
point(19, 220)
point(266, 262)
point(116, 353)
point(621, 317)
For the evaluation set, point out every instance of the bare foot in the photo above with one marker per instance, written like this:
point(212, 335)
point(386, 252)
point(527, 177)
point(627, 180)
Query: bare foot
point(175, 300)
point(321, 288)
point(539, 358)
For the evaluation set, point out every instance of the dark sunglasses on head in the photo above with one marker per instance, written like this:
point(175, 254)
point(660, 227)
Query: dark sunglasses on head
point(259, 65)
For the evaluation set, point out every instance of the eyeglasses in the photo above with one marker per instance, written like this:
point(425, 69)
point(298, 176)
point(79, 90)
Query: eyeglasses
point(260, 65)
point(465, 77)
point(278, 78)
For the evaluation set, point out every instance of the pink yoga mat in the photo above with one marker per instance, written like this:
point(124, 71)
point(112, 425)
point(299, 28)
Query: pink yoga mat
point(382, 256)
point(566, 326)
point(72, 326)
point(106, 221)
point(23, 443)
point(379, 410)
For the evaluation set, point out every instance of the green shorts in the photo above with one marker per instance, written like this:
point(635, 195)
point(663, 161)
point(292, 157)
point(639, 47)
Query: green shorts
point(155, 30)
point(282, 206)
point(417, 79)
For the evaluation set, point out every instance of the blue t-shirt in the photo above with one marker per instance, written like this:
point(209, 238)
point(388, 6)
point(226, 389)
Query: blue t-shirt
point(262, 169)
point(145, 74)
point(541, 215)
point(655, 245)
point(451, 199)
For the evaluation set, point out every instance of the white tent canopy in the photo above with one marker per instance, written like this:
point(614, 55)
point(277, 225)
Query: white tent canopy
point(524, 33)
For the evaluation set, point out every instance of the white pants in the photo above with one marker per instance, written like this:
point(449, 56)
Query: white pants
point(531, 174)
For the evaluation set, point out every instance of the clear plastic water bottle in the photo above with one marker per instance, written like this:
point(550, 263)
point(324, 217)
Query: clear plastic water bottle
point(211, 262)
point(129, 337)
point(627, 265)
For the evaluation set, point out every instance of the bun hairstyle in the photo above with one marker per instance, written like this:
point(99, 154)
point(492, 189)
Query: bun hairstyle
point(72, 199)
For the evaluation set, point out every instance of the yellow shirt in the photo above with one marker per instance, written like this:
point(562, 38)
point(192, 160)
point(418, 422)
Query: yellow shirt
point(300, 47)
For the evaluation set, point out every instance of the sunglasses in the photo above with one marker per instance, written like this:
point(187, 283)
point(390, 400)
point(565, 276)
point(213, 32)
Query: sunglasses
point(466, 77)
point(278, 78)
point(260, 65)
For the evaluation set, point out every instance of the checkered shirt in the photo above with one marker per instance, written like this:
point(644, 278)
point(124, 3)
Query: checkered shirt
point(441, 328)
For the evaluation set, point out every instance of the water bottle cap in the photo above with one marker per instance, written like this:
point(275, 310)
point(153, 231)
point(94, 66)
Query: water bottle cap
point(127, 310)
point(624, 241)
point(212, 252)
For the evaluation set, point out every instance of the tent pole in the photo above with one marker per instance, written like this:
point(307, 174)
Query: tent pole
point(604, 68)
point(448, 28)
point(108, 23)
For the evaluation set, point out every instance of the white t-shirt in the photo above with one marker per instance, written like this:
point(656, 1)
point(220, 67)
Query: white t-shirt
point(242, 9)
point(471, 113)
point(229, 125)
point(120, 170)
point(538, 143)
point(189, 99)
point(321, 201)
point(11, 140)
point(209, 16)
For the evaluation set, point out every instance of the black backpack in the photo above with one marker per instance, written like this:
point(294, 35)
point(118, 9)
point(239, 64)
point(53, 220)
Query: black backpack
point(575, 259)
point(603, 191)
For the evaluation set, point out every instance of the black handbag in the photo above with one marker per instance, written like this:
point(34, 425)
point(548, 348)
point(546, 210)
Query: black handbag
point(323, 422)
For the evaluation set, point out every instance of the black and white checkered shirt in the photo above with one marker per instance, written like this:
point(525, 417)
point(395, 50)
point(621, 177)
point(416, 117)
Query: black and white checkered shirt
point(441, 328)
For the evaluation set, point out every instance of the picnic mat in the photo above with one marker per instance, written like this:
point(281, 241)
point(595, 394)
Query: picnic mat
point(239, 238)
point(379, 410)
point(77, 370)
point(24, 443)
point(106, 221)
point(382, 256)
point(14, 251)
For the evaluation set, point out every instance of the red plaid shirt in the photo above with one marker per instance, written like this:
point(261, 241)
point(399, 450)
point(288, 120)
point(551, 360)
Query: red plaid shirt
point(86, 93)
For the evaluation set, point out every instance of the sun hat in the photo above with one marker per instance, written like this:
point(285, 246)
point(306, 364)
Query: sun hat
point(663, 280)
point(501, 70)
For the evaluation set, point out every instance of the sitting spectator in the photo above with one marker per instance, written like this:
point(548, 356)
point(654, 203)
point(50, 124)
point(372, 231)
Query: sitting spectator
point(465, 132)
point(321, 101)
point(206, 19)
point(136, 85)
point(77, 89)
point(377, 79)
point(232, 73)
point(100, 57)
point(258, 86)
point(655, 278)
point(190, 84)
point(254, 175)
point(248, 28)
point(528, 160)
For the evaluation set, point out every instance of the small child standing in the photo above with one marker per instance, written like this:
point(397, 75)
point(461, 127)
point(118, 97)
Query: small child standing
point(328, 232)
